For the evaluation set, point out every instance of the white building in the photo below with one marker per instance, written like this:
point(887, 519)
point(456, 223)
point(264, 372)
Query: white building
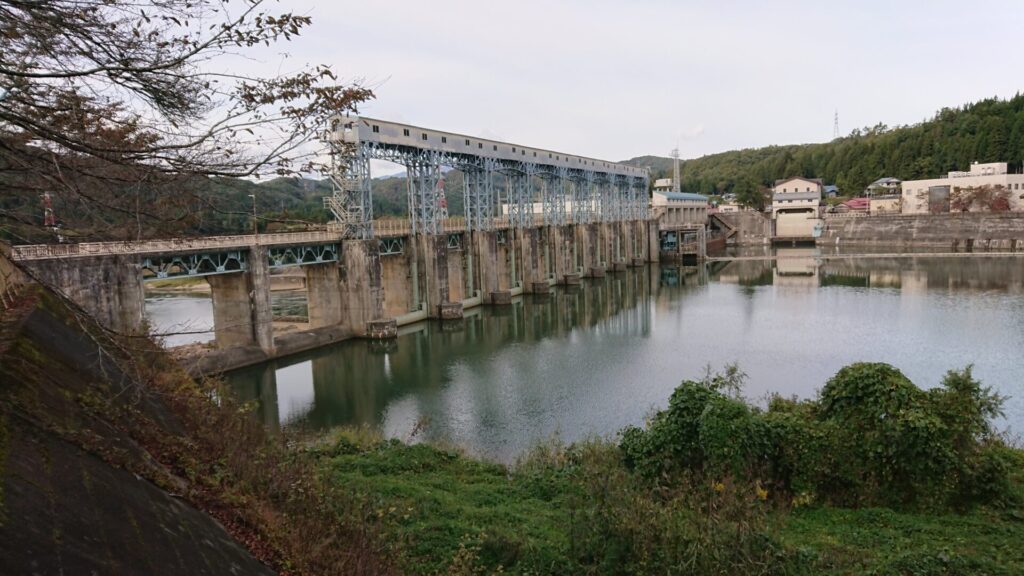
point(795, 204)
point(883, 187)
point(922, 196)
point(679, 209)
point(663, 185)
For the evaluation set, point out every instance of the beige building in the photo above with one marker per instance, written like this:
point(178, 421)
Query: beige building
point(795, 204)
point(886, 204)
point(679, 209)
point(922, 196)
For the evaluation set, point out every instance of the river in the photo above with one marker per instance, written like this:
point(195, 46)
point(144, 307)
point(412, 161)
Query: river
point(588, 361)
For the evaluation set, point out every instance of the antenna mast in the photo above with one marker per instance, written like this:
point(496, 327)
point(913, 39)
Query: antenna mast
point(835, 126)
point(675, 169)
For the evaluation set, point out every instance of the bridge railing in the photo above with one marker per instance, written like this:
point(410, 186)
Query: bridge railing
point(41, 251)
point(389, 227)
point(402, 227)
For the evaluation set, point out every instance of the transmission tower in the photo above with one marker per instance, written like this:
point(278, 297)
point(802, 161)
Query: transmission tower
point(675, 169)
point(835, 126)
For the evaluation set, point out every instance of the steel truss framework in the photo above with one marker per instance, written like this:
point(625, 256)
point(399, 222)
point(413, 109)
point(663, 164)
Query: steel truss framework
point(391, 246)
point(563, 195)
point(300, 255)
point(455, 241)
point(198, 264)
point(228, 262)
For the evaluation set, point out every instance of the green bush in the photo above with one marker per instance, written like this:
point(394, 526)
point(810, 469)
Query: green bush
point(871, 438)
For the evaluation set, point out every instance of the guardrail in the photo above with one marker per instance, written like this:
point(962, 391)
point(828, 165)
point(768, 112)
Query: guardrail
point(44, 251)
point(382, 228)
point(829, 215)
point(402, 227)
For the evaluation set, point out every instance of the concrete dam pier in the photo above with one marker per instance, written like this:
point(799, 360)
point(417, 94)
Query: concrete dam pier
point(533, 218)
point(362, 288)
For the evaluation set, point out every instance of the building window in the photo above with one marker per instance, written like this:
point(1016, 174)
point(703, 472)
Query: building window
point(424, 136)
point(534, 154)
point(376, 128)
point(523, 152)
point(480, 145)
point(444, 139)
point(495, 147)
point(513, 149)
point(467, 142)
point(405, 132)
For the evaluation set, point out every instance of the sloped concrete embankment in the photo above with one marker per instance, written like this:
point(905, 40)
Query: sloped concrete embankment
point(78, 495)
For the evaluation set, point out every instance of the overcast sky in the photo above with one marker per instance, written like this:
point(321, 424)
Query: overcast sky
point(615, 80)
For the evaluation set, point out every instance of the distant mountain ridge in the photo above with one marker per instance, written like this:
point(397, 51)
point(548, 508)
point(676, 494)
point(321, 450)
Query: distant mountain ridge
point(990, 130)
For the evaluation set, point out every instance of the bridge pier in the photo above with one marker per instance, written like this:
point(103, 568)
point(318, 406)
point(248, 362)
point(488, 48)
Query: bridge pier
point(617, 249)
point(107, 287)
point(653, 241)
point(360, 283)
point(241, 305)
point(594, 254)
point(323, 294)
point(484, 245)
point(533, 244)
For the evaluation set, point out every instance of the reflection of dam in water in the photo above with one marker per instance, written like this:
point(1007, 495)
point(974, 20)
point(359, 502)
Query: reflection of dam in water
point(811, 267)
point(595, 358)
point(305, 387)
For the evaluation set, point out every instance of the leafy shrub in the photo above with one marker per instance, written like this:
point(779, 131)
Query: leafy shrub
point(622, 526)
point(871, 438)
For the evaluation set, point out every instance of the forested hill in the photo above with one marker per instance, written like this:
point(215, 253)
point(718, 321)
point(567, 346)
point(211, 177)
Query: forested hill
point(987, 131)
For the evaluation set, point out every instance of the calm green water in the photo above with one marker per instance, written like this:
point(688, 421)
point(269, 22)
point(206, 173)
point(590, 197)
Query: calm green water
point(592, 360)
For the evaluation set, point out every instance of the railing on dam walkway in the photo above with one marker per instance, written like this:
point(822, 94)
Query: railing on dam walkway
point(47, 251)
point(389, 227)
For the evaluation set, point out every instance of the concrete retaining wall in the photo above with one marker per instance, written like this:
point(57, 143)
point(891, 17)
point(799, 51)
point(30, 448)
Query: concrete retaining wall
point(751, 227)
point(957, 232)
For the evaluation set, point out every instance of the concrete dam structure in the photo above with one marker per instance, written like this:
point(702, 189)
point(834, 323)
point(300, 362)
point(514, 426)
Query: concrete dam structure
point(533, 218)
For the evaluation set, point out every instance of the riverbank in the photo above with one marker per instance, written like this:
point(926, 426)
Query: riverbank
point(798, 488)
point(197, 285)
point(576, 510)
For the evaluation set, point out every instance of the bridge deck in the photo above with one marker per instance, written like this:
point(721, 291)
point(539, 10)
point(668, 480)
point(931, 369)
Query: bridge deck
point(170, 246)
point(385, 228)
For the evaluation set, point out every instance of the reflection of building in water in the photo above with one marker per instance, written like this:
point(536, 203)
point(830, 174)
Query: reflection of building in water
point(913, 282)
point(796, 267)
point(745, 273)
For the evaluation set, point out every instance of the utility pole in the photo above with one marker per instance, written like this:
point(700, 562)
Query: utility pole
point(835, 126)
point(255, 228)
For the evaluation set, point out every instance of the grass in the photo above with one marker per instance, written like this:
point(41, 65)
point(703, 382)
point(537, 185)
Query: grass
point(446, 513)
point(880, 541)
point(437, 505)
